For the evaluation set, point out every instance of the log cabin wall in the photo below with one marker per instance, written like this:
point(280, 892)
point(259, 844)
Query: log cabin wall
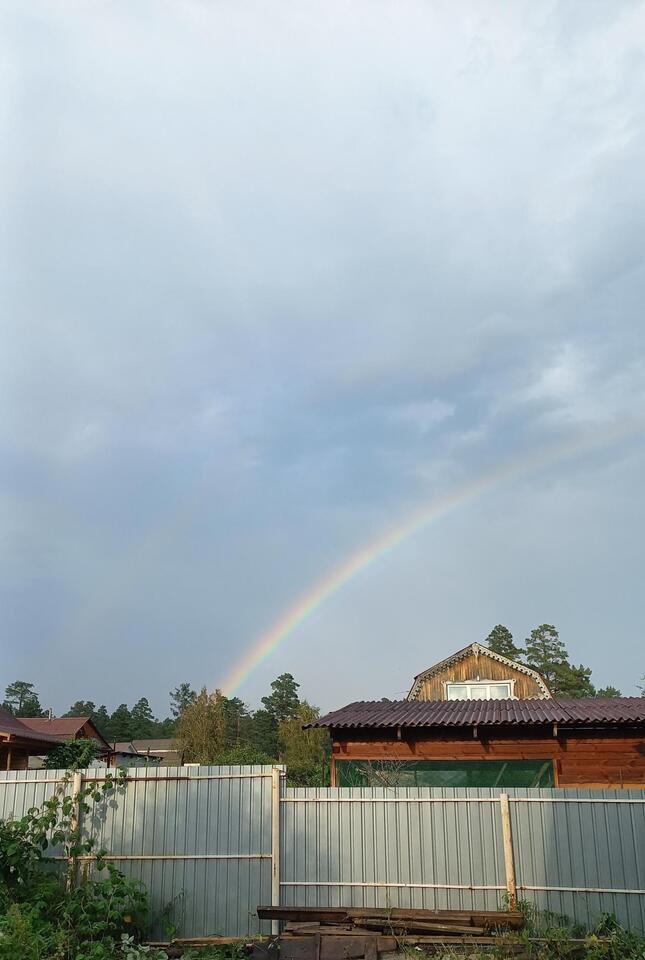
point(480, 667)
point(582, 758)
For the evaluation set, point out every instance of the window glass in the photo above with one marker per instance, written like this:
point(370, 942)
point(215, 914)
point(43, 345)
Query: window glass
point(478, 691)
point(445, 773)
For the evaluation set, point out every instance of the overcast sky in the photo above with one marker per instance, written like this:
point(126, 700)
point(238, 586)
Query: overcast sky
point(274, 275)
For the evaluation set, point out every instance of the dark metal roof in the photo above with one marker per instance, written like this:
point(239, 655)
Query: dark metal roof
point(468, 713)
point(20, 731)
point(63, 728)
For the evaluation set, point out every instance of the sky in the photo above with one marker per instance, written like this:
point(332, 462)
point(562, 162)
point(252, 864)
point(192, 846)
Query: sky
point(274, 276)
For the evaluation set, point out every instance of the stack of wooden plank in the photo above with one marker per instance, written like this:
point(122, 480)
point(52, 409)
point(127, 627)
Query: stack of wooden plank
point(348, 933)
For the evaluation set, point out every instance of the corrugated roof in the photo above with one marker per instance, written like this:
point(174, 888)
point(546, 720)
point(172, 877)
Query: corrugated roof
point(18, 728)
point(61, 727)
point(57, 726)
point(156, 743)
point(460, 713)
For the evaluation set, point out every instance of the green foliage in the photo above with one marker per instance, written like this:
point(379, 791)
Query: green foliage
point(73, 754)
point(283, 702)
point(608, 692)
point(305, 752)
point(180, 698)
point(22, 700)
point(45, 916)
point(553, 936)
point(500, 640)
point(82, 708)
point(202, 730)
point(243, 754)
point(547, 654)
point(264, 733)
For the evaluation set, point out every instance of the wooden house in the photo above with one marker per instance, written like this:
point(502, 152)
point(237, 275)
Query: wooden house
point(477, 673)
point(62, 729)
point(18, 743)
point(478, 719)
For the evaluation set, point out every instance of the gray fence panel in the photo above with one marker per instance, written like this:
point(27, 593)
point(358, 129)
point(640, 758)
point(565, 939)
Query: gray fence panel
point(201, 846)
point(389, 849)
point(595, 842)
point(431, 847)
point(200, 840)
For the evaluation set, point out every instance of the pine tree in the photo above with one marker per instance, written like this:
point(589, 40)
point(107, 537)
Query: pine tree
point(546, 653)
point(264, 733)
point(121, 725)
point(180, 698)
point(22, 700)
point(282, 704)
point(142, 719)
point(101, 720)
point(608, 692)
point(500, 640)
point(81, 708)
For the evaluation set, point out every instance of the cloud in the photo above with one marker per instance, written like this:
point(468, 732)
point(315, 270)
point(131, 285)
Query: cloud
point(272, 278)
point(421, 415)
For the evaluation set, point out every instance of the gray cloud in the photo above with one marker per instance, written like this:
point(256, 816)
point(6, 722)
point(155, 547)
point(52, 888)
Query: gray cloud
point(273, 277)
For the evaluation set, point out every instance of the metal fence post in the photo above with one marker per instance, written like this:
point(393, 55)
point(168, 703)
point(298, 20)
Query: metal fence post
point(509, 859)
point(275, 845)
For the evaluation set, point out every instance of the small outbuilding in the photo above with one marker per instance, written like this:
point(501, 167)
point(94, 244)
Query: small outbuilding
point(489, 743)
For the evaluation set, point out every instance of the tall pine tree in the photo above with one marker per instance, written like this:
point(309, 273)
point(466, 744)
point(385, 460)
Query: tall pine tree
point(500, 640)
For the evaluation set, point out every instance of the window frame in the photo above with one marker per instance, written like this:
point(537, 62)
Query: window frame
point(478, 683)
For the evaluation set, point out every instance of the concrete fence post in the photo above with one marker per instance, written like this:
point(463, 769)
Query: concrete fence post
point(275, 844)
point(77, 786)
point(509, 857)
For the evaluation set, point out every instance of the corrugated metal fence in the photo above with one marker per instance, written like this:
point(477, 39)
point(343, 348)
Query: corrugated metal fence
point(211, 843)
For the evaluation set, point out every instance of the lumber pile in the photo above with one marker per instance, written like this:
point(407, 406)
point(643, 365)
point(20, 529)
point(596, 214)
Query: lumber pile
point(350, 933)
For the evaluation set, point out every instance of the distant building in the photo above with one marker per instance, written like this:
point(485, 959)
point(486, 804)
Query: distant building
point(125, 754)
point(166, 749)
point(18, 742)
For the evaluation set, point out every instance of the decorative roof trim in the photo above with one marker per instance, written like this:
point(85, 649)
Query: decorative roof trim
point(477, 649)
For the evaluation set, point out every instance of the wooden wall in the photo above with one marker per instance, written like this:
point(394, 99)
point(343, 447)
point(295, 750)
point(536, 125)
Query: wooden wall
point(582, 758)
point(478, 667)
point(13, 757)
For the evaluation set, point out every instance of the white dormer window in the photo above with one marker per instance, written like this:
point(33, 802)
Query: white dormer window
point(480, 690)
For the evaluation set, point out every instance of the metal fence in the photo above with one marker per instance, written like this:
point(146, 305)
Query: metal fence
point(204, 840)
point(211, 843)
point(580, 853)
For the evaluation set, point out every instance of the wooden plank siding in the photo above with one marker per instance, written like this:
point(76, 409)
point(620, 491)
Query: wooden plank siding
point(602, 759)
point(474, 667)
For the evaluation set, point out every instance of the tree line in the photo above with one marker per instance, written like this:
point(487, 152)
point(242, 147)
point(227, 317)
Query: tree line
point(545, 652)
point(210, 728)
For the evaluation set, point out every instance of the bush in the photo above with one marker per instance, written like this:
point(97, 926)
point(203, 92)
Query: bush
point(48, 916)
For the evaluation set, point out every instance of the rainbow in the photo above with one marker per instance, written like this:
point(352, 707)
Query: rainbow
point(373, 551)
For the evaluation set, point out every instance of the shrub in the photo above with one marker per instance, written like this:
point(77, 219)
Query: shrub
point(46, 915)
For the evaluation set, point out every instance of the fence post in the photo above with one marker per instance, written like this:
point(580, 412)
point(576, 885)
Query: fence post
point(74, 820)
point(275, 845)
point(509, 859)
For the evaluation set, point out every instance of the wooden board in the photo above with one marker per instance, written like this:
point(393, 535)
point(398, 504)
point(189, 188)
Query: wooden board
point(511, 918)
point(327, 947)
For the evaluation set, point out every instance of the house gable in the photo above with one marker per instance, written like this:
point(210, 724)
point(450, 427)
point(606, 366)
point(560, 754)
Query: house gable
point(477, 664)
